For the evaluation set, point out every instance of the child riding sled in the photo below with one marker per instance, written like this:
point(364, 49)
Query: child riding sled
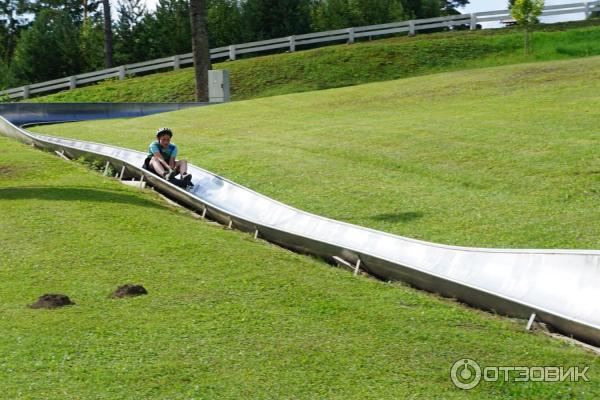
point(162, 160)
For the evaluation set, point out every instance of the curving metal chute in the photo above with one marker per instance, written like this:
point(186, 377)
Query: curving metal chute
point(559, 286)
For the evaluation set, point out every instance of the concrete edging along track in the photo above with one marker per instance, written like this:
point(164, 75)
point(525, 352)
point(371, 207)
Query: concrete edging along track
point(559, 286)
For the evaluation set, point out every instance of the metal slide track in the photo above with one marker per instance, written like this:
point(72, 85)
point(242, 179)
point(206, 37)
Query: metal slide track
point(562, 287)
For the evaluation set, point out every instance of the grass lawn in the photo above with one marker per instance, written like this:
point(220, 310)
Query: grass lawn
point(226, 317)
point(363, 62)
point(497, 157)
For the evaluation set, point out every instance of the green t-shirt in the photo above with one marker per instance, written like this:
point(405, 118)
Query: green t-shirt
point(167, 153)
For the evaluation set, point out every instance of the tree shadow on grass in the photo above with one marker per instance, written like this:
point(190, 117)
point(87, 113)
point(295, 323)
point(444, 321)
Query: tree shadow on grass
point(398, 217)
point(73, 194)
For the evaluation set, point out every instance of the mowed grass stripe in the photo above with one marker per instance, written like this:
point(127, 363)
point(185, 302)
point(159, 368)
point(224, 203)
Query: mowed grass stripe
point(226, 317)
point(498, 157)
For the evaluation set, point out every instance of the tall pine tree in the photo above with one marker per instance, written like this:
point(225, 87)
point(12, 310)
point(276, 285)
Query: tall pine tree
point(170, 26)
point(337, 14)
point(266, 19)
point(224, 21)
point(49, 49)
point(133, 38)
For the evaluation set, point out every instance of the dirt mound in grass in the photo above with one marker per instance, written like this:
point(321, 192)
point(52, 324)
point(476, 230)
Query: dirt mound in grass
point(52, 301)
point(129, 290)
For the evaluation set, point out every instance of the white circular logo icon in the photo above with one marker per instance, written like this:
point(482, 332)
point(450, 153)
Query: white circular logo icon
point(465, 374)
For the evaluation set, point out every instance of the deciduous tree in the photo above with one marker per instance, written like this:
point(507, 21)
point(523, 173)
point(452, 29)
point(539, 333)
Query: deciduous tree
point(526, 13)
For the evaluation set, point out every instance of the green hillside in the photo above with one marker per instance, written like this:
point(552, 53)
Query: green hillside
point(498, 157)
point(489, 157)
point(226, 317)
point(345, 65)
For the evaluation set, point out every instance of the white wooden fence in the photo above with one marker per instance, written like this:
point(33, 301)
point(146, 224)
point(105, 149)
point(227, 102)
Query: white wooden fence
point(290, 43)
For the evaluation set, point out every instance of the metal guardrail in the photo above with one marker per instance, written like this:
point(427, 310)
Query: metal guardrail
point(557, 287)
point(44, 113)
point(291, 43)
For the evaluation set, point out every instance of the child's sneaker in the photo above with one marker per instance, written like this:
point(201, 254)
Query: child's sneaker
point(187, 180)
point(170, 175)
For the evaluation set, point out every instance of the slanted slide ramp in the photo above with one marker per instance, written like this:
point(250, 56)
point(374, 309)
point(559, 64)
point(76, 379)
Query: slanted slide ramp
point(559, 286)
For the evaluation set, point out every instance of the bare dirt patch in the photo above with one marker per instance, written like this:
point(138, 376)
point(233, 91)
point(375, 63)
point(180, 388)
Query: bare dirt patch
point(129, 290)
point(6, 170)
point(52, 301)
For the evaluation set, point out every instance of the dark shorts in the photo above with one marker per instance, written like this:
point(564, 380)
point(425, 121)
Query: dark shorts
point(147, 165)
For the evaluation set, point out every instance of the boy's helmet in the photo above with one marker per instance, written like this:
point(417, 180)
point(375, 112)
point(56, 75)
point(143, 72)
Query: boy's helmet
point(164, 131)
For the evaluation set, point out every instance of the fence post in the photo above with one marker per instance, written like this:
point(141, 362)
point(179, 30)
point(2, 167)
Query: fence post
point(121, 72)
point(292, 43)
point(473, 21)
point(232, 52)
point(350, 35)
point(176, 62)
point(588, 11)
point(26, 92)
point(411, 28)
point(72, 82)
